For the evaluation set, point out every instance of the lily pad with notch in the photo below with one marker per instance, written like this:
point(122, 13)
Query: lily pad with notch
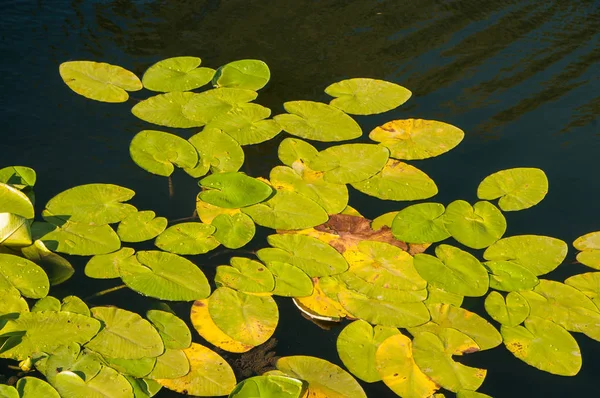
point(218, 152)
point(177, 74)
point(141, 226)
point(233, 190)
point(187, 238)
point(518, 188)
point(364, 96)
point(249, 74)
point(233, 231)
point(420, 223)
point(158, 152)
point(475, 226)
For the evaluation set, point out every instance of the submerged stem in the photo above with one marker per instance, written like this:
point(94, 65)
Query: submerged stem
point(106, 291)
point(171, 191)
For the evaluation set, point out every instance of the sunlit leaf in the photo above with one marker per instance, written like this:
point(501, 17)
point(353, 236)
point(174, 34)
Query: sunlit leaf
point(172, 329)
point(74, 304)
point(475, 226)
point(187, 238)
point(202, 108)
point(208, 212)
point(511, 312)
point(380, 284)
point(587, 283)
point(251, 74)
point(437, 295)
point(420, 223)
point(218, 152)
point(15, 202)
point(32, 387)
point(141, 226)
point(290, 281)
point(246, 276)
point(471, 394)
point(292, 150)
point(363, 96)
point(12, 302)
point(47, 303)
point(99, 81)
point(269, 386)
point(247, 124)
point(170, 110)
point(589, 244)
point(508, 276)
point(171, 364)
point(24, 275)
point(56, 267)
point(233, 231)
point(106, 384)
point(133, 367)
point(15, 231)
point(106, 266)
point(7, 391)
point(233, 190)
point(518, 188)
point(82, 239)
point(19, 177)
point(177, 74)
point(158, 152)
point(384, 220)
point(321, 305)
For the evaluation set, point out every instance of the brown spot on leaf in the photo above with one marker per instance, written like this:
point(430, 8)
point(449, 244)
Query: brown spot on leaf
point(199, 303)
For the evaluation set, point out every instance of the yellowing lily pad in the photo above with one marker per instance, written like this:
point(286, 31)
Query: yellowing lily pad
point(177, 74)
point(187, 238)
point(15, 202)
point(141, 226)
point(587, 283)
point(219, 153)
point(420, 223)
point(518, 188)
point(384, 220)
point(589, 244)
point(208, 212)
point(246, 276)
point(320, 304)
point(475, 226)
point(317, 121)
point(233, 231)
point(233, 190)
point(250, 74)
point(158, 152)
point(437, 295)
point(511, 312)
point(348, 163)
point(363, 96)
point(99, 81)
point(413, 139)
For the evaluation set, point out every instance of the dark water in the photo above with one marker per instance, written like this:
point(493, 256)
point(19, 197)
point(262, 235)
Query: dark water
point(519, 77)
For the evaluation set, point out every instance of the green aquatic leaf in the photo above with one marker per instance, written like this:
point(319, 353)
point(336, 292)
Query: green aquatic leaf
point(91, 203)
point(475, 226)
point(245, 318)
point(437, 295)
point(510, 311)
point(246, 276)
point(108, 383)
point(34, 332)
point(58, 268)
point(47, 303)
point(420, 223)
point(218, 152)
point(32, 387)
point(292, 150)
point(518, 188)
point(125, 335)
point(357, 344)
point(587, 283)
point(170, 110)
point(367, 286)
point(106, 266)
point(12, 302)
point(348, 163)
point(288, 211)
point(132, 367)
point(414, 139)
point(317, 121)
point(508, 276)
point(384, 220)
point(544, 345)
point(15, 231)
point(453, 270)
point(165, 276)
point(202, 108)
point(363, 96)
point(24, 275)
point(141, 226)
point(589, 244)
point(471, 394)
point(539, 254)
point(250, 74)
point(290, 281)
point(158, 152)
point(177, 74)
point(233, 231)
point(172, 364)
point(20, 177)
point(187, 238)
point(15, 202)
point(7, 391)
point(99, 81)
point(75, 304)
point(269, 386)
point(172, 329)
point(143, 388)
point(324, 378)
point(233, 190)
point(246, 124)
point(81, 239)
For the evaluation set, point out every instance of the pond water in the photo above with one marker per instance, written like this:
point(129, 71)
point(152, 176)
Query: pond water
point(519, 77)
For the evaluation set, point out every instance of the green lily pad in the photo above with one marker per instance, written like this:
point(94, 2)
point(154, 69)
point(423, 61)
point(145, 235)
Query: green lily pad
point(143, 388)
point(508, 276)
point(233, 231)
point(317, 121)
point(66, 357)
point(288, 211)
point(74, 304)
point(219, 153)
point(106, 266)
point(141, 226)
point(133, 367)
point(437, 295)
point(332, 197)
point(518, 188)
point(591, 258)
point(34, 332)
point(398, 370)
point(7, 391)
point(246, 318)
point(172, 329)
point(24, 275)
point(81, 239)
point(357, 345)
point(292, 150)
point(177, 74)
point(414, 139)
point(54, 265)
point(420, 223)
point(158, 152)
point(170, 110)
point(269, 386)
point(290, 281)
point(203, 107)
point(377, 290)
point(12, 302)
point(233, 190)
point(587, 283)
point(125, 335)
point(323, 377)
point(47, 303)
point(363, 96)
point(171, 364)
point(475, 226)
point(91, 203)
point(539, 254)
point(108, 383)
point(165, 276)
point(544, 345)
point(246, 276)
point(187, 238)
point(454, 270)
point(311, 255)
point(15, 202)
point(511, 312)
point(589, 244)
point(20, 177)
point(32, 387)
point(384, 220)
point(348, 163)
point(250, 74)
point(247, 124)
point(99, 81)
point(14, 231)
point(433, 354)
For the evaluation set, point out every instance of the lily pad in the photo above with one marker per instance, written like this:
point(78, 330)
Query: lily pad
point(544, 345)
point(348, 163)
point(106, 266)
point(508, 276)
point(58, 268)
point(141, 226)
point(317, 121)
point(187, 238)
point(47, 303)
point(170, 110)
point(475, 226)
point(208, 212)
point(247, 124)
point(322, 305)
point(177, 74)
point(218, 152)
point(20, 177)
point(15, 231)
point(15, 202)
point(511, 312)
point(233, 231)
point(99, 81)
point(414, 139)
point(290, 281)
point(292, 150)
point(32, 387)
point(518, 188)
point(91, 203)
point(587, 283)
point(233, 190)
point(74, 304)
point(24, 275)
point(363, 96)
point(437, 295)
point(269, 386)
point(357, 344)
point(539, 254)
point(12, 302)
point(420, 223)
point(373, 285)
point(204, 107)
point(589, 244)
point(246, 276)
point(250, 74)
point(171, 364)
point(7, 391)
point(158, 152)
point(82, 240)
point(384, 220)
point(132, 367)
point(172, 329)
point(108, 383)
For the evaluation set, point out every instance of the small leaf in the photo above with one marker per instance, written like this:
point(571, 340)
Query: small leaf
point(20, 177)
point(187, 238)
point(246, 276)
point(204, 107)
point(24, 275)
point(233, 231)
point(269, 386)
point(158, 152)
point(247, 124)
point(233, 190)
point(518, 188)
point(177, 74)
point(218, 152)
point(141, 226)
point(510, 313)
point(75, 305)
point(420, 223)
point(82, 240)
point(362, 96)
point(15, 202)
point(106, 266)
point(106, 384)
point(170, 110)
point(172, 329)
point(292, 150)
point(55, 266)
point(589, 244)
point(250, 74)
point(475, 226)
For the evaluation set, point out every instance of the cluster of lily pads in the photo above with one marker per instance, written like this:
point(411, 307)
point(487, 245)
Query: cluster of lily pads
point(331, 261)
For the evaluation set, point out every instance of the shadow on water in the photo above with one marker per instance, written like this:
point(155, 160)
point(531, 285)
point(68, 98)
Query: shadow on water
point(519, 77)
